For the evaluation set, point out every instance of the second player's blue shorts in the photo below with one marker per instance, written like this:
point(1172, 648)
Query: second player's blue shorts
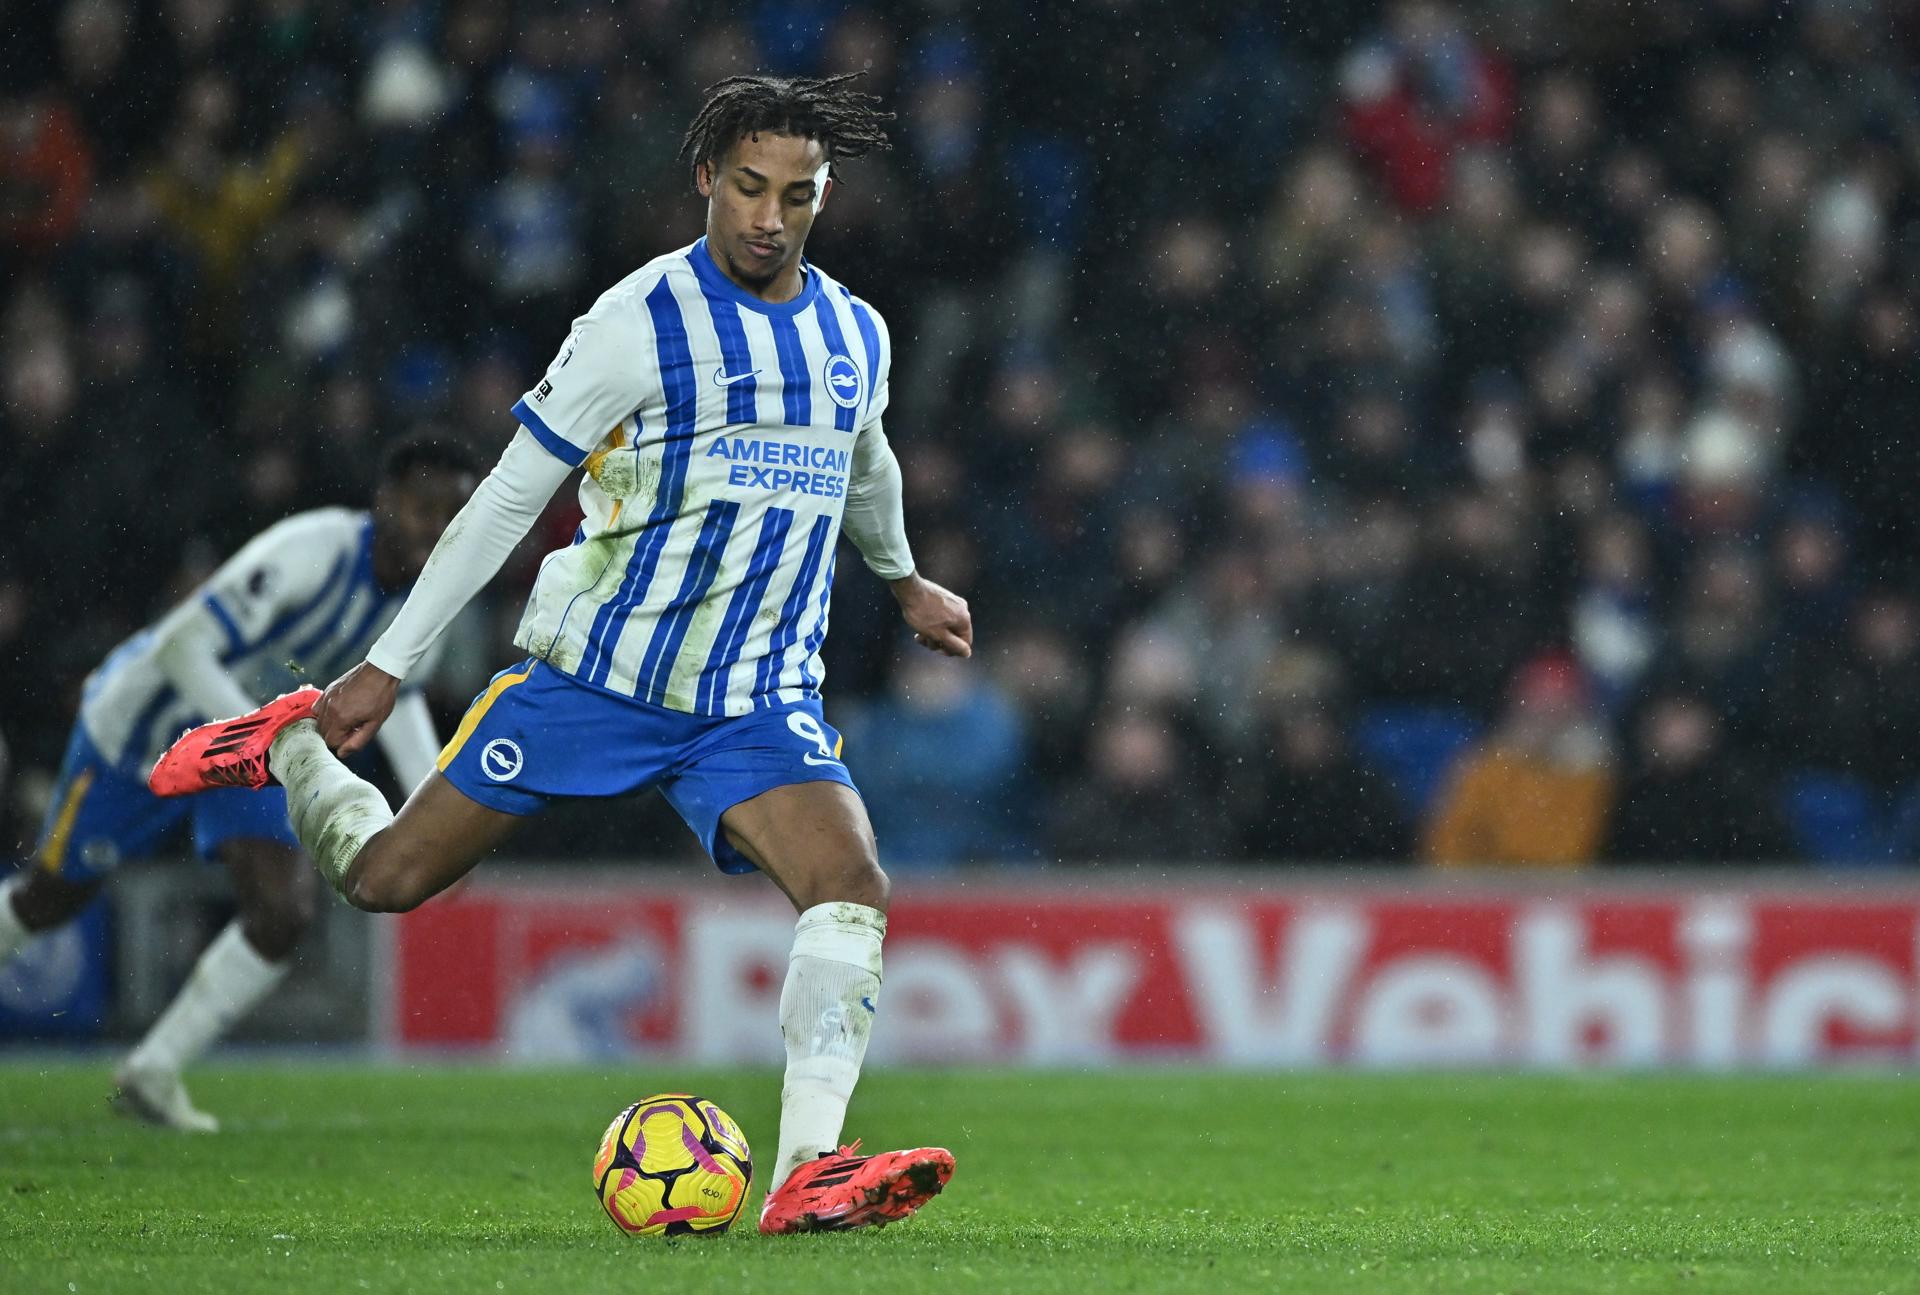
point(102, 813)
point(536, 735)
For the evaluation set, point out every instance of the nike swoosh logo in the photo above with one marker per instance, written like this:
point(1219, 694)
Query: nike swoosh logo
point(814, 759)
point(720, 378)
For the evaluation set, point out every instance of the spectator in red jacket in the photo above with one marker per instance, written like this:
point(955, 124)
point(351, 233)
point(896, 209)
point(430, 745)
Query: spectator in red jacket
point(1421, 92)
point(46, 173)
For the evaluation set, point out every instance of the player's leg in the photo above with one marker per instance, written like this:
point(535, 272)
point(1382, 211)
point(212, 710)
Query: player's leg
point(97, 815)
point(436, 839)
point(384, 862)
point(274, 895)
point(814, 840)
point(243, 965)
point(768, 790)
point(378, 860)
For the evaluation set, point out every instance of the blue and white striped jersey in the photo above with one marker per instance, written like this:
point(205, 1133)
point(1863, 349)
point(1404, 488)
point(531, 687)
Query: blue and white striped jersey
point(718, 435)
point(297, 605)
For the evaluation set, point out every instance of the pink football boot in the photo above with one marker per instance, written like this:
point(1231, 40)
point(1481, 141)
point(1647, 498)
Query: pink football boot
point(848, 1190)
point(229, 752)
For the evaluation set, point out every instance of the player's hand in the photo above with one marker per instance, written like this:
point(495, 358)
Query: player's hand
point(938, 617)
point(354, 706)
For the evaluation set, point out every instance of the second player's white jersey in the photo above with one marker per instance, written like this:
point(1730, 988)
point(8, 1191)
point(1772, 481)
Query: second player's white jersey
point(297, 605)
point(718, 432)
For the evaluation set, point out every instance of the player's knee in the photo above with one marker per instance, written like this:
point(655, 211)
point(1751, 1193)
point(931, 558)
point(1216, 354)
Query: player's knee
point(858, 881)
point(384, 882)
point(867, 883)
point(864, 880)
point(383, 890)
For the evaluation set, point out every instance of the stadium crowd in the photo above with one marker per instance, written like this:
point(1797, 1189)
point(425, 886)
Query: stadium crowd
point(1401, 430)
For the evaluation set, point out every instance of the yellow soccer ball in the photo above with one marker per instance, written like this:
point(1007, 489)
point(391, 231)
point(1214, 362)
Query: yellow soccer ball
point(673, 1165)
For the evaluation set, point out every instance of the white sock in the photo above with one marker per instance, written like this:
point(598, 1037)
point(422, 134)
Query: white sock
point(334, 813)
point(13, 933)
point(826, 1014)
point(226, 983)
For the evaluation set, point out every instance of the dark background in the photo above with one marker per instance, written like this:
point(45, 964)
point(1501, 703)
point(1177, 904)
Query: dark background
point(1316, 408)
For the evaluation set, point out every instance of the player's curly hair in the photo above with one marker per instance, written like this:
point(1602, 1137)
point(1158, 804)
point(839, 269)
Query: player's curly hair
point(847, 122)
point(427, 450)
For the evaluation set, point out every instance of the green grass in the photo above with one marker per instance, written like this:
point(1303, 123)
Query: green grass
point(474, 1180)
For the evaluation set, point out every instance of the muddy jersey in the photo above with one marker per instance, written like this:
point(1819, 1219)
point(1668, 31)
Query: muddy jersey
point(717, 432)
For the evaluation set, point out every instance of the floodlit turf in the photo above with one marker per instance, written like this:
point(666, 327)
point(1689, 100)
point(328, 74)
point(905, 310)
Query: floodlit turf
point(473, 1180)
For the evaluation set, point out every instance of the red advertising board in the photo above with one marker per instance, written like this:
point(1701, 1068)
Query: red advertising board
point(596, 965)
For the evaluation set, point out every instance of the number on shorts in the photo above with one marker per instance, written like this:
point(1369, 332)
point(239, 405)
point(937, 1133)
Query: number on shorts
point(808, 728)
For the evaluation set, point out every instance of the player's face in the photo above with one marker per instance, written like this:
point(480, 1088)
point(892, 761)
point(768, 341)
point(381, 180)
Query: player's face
point(762, 197)
point(408, 517)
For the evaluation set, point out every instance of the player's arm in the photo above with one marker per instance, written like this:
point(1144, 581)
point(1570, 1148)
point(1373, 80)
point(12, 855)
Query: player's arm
point(283, 567)
point(875, 520)
point(470, 552)
point(594, 382)
point(191, 644)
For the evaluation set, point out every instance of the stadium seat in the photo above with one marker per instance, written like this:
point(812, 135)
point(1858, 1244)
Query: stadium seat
point(1414, 744)
point(1904, 827)
point(1836, 820)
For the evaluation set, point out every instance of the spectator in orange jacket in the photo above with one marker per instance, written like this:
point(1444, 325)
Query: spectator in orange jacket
point(1536, 793)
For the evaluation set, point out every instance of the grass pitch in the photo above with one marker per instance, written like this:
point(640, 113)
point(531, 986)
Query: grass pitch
point(474, 1180)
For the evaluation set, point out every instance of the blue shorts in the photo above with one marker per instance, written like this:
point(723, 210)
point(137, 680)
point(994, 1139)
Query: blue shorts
point(537, 735)
point(102, 813)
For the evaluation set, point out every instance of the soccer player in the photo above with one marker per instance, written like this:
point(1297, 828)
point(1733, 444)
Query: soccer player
point(725, 401)
point(304, 598)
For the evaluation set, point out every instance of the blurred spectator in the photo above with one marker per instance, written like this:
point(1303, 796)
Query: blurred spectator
point(1559, 149)
point(1038, 670)
point(46, 173)
point(1420, 91)
point(1318, 210)
point(940, 760)
point(1470, 611)
point(1687, 798)
point(1867, 378)
point(217, 204)
point(1811, 569)
point(1537, 792)
point(1064, 523)
point(1224, 622)
point(1615, 615)
point(1301, 793)
point(1136, 803)
point(1718, 641)
point(1854, 707)
point(116, 100)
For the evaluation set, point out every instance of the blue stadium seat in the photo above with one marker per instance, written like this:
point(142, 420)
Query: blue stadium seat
point(1414, 744)
point(1904, 829)
point(1836, 819)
